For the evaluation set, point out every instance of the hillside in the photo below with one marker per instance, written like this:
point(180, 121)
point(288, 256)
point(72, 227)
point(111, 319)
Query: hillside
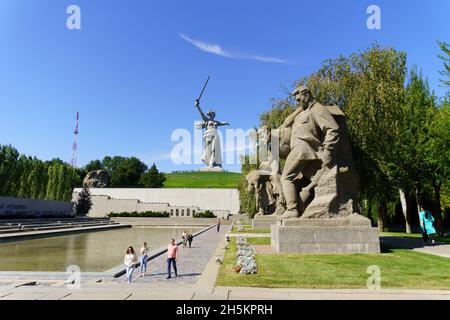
point(202, 180)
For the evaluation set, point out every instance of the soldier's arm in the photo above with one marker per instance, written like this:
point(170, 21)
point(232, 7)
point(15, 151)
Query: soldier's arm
point(290, 119)
point(329, 127)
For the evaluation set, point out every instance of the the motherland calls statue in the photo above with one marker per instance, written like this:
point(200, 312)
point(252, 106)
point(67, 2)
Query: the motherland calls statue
point(319, 180)
point(212, 153)
point(266, 181)
point(96, 179)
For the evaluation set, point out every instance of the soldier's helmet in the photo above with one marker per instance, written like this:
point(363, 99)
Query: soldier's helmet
point(211, 113)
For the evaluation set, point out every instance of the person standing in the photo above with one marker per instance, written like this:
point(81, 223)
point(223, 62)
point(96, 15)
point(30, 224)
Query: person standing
point(190, 238)
point(426, 222)
point(218, 224)
point(183, 236)
point(172, 251)
point(130, 261)
point(144, 256)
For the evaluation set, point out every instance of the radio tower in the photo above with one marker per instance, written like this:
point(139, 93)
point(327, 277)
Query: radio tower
point(73, 162)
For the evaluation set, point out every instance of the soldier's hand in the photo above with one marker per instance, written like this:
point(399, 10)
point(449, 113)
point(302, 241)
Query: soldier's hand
point(327, 159)
point(282, 199)
point(197, 103)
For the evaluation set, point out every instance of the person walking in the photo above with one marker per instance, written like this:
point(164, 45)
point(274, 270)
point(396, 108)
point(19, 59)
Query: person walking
point(218, 224)
point(172, 251)
point(130, 261)
point(190, 238)
point(144, 256)
point(184, 237)
point(426, 222)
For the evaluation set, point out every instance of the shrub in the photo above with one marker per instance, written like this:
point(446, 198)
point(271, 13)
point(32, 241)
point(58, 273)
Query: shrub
point(146, 214)
point(205, 214)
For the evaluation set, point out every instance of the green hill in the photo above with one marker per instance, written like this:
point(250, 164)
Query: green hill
point(202, 180)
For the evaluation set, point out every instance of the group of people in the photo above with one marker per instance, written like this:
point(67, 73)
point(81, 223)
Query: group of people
point(131, 260)
point(187, 238)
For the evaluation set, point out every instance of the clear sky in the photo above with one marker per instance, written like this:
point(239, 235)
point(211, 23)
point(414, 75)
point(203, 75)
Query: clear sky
point(135, 68)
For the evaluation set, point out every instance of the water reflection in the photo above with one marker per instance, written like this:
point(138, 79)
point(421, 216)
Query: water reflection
point(92, 252)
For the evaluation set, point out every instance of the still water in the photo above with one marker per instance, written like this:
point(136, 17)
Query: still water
point(92, 252)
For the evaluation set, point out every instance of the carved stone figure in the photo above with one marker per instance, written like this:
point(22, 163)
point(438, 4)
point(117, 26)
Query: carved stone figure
point(212, 152)
point(318, 179)
point(265, 181)
point(96, 179)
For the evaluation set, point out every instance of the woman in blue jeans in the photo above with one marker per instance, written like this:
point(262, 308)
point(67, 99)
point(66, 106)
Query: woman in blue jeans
point(130, 261)
point(144, 255)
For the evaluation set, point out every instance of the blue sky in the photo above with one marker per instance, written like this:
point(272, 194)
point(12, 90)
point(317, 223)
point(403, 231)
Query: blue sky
point(135, 68)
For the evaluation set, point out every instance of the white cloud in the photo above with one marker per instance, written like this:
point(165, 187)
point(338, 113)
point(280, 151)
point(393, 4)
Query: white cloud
point(218, 50)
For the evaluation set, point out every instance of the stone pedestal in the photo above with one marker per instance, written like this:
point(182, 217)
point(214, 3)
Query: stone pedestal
point(263, 222)
point(214, 169)
point(353, 234)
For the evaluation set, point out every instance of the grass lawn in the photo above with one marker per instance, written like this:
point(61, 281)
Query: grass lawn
point(259, 241)
point(400, 268)
point(249, 229)
point(445, 240)
point(202, 180)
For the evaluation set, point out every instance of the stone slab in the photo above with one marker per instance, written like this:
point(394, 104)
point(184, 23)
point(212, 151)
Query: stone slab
point(97, 296)
point(324, 237)
point(215, 169)
point(263, 222)
point(352, 220)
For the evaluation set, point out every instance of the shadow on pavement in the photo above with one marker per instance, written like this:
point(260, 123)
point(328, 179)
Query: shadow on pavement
point(387, 243)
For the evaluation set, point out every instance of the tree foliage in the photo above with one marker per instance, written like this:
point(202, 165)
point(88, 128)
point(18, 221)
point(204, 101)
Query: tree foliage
point(152, 178)
point(84, 203)
point(27, 177)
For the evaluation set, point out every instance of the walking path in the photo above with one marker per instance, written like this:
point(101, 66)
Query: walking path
point(442, 250)
point(416, 244)
point(190, 262)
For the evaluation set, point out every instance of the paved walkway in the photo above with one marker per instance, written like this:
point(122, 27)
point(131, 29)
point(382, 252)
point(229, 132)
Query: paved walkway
point(416, 244)
point(141, 291)
point(190, 262)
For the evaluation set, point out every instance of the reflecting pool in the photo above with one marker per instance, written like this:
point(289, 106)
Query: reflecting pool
point(92, 252)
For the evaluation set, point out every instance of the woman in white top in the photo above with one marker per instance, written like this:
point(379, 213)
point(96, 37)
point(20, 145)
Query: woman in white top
point(144, 255)
point(130, 261)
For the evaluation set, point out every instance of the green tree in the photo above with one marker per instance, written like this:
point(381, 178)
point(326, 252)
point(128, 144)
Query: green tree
point(152, 178)
point(8, 169)
point(247, 199)
point(52, 181)
point(127, 172)
point(84, 203)
point(24, 167)
point(437, 155)
point(445, 57)
point(112, 164)
point(94, 165)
